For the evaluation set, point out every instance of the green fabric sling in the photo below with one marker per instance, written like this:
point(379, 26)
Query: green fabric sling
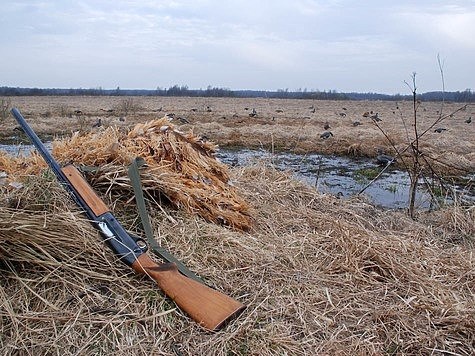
point(134, 176)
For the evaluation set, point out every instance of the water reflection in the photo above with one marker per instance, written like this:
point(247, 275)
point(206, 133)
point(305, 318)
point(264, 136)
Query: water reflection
point(338, 175)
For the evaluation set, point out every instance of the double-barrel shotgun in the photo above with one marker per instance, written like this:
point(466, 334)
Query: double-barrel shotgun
point(208, 307)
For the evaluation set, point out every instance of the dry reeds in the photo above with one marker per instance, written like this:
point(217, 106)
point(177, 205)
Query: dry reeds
point(181, 169)
point(319, 276)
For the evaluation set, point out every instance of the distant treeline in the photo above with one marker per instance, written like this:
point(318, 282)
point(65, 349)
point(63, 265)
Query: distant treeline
point(176, 90)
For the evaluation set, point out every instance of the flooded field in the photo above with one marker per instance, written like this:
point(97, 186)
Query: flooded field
point(343, 176)
point(342, 164)
point(286, 125)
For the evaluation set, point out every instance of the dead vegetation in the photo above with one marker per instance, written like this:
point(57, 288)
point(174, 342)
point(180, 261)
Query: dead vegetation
point(319, 275)
point(179, 168)
point(280, 124)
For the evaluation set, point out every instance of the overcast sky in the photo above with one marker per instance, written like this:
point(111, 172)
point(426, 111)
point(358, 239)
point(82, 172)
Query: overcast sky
point(363, 46)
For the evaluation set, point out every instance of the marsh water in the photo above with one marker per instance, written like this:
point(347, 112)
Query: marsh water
point(340, 176)
point(343, 176)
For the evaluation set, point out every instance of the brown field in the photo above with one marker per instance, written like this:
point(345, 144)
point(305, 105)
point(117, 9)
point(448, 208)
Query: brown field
point(279, 125)
point(319, 275)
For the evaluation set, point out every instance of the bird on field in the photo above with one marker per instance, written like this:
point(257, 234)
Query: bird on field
point(203, 139)
point(342, 114)
point(440, 129)
point(326, 126)
point(253, 113)
point(375, 117)
point(326, 134)
point(183, 120)
point(383, 159)
point(98, 123)
point(356, 123)
point(469, 120)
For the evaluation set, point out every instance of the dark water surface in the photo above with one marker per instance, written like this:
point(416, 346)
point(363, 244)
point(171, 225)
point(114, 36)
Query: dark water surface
point(341, 175)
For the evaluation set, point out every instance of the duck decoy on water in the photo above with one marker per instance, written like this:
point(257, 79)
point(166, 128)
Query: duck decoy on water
point(384, 159)
point(440, 129)
point(326, 134)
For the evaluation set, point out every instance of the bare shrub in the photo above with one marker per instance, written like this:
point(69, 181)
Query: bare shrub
point(418, 162)
point(5, 105)
point(128, 106)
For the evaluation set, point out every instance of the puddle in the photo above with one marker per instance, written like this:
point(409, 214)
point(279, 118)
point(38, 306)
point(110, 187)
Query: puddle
point(340, 175)
point(17, 150)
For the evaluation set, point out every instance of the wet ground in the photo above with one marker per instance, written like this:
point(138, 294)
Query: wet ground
point(341, 176)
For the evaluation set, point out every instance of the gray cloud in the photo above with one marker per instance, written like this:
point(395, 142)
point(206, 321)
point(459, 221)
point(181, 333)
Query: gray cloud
point(341, 45)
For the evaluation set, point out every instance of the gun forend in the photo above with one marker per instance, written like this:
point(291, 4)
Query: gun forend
point(208, 307)
point(75, 178)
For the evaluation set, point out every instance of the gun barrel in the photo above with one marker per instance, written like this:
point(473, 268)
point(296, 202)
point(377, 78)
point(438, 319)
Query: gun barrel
point(37, 143)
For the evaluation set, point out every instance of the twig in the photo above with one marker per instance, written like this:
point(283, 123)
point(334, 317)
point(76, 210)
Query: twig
point(375, 178)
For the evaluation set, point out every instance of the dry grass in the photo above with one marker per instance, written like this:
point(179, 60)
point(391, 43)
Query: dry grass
point(280, 124)
point(179, 168)
point(319, 275)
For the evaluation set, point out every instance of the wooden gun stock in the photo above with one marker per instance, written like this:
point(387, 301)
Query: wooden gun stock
point(206, 306)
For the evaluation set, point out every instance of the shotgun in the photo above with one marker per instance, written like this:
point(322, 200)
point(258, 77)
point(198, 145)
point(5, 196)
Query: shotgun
point(208, 307)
